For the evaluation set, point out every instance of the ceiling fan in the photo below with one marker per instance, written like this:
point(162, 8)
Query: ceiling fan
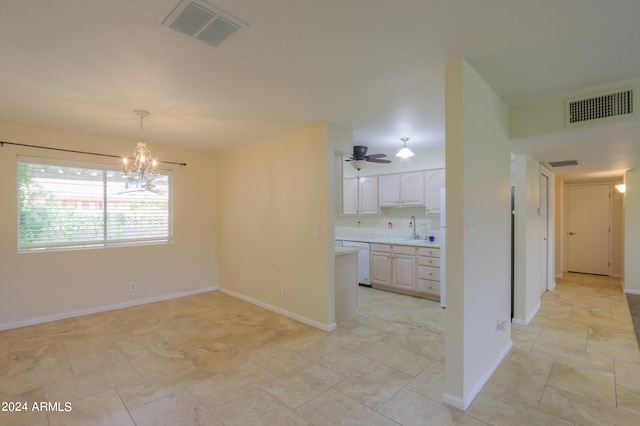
point(360, 157)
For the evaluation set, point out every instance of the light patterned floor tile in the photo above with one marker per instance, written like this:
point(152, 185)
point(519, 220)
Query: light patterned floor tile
point(227, 385)
point(179, 408)
point(302, 384)
point(584, 411)
point(409, 408)
point(374, 384)
point(258, 408)
point(399, 359)
point(430, 382)
point(335, 408)
point(213, 359)
point(101, 409)
point(595, 385)
point(500, 410)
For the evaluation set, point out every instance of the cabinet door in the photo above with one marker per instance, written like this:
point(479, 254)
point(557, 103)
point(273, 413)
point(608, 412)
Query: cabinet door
point(389, 190)
point(404, 272)
point(380, 268)
point(412, 189)
point(368, 195)
point(350, 196)
point(434, 183)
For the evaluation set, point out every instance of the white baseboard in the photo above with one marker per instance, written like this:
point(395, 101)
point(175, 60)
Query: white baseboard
point(529, 318)
point(631, 291)
point(292, 315)
point(81, 312)
point(463, 403)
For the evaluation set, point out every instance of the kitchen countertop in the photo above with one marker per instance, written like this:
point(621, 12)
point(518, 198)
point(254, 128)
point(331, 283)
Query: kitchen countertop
point(396, 241)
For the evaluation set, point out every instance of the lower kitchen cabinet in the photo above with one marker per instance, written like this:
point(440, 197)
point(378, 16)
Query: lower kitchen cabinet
point(380, 255)
point(429, 272)
point(403, 266)
point(406, 269)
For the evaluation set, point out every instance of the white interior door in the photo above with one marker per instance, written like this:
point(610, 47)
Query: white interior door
point(544, 233)
point(588, 236)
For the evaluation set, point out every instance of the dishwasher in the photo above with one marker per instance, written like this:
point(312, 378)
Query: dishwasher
point(363, 260)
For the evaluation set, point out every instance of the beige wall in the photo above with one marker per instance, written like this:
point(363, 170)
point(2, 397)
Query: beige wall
point(478, 262)
point(632, 232)
point(271, 196)
point(36, 287)
point(527, 254)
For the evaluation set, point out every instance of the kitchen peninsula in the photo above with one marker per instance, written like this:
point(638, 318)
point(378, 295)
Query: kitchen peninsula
point(346, 267)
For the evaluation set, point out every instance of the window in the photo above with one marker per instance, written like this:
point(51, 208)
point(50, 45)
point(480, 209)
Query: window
point(68, 205)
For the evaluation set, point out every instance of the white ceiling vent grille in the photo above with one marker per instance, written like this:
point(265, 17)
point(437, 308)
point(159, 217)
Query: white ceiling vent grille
point(202, 21)
point(608, 105)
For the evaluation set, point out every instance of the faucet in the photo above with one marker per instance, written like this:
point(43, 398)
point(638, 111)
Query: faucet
point(412, 224)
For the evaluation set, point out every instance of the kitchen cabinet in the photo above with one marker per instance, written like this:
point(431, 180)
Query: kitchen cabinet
point(401, 189)
point(389, 190)
point(406, 269)
point(412, 189)
point(434, 182)
point(360, 195)
point(380, 264)
point(429, 272)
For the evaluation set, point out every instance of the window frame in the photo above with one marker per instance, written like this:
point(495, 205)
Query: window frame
point(106, 241)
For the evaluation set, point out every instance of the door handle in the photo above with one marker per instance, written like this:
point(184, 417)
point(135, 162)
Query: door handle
point(572, 233)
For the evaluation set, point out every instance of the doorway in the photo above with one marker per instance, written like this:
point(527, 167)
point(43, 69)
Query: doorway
point(589, 228)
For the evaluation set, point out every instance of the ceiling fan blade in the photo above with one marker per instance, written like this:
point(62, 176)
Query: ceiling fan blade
point(376, 155)
point(377, 160)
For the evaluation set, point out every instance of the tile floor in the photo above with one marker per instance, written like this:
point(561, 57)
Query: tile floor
point(214, 360)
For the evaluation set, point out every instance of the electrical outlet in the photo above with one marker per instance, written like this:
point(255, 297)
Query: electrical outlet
point(501, 326)
point(280, 293)
point(132, 286)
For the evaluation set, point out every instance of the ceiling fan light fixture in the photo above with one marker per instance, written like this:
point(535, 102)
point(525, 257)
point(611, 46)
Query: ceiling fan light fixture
point(404, 152)
point(358, 164)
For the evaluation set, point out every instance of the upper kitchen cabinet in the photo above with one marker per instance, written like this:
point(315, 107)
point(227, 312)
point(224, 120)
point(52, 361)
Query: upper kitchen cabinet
point(434, 182)
point(360, 195)
point(401, 190)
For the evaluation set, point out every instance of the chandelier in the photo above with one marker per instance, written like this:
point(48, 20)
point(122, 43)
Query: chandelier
point(143, 168)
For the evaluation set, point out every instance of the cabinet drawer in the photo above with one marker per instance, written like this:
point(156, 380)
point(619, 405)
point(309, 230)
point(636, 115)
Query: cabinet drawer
point(404, 250)
point(428, 287)
point(429, 251)
point(380, 247)
point(429, 261)
point(428, 273)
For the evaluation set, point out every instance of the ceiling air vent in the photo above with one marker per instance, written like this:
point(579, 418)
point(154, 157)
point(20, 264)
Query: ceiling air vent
point(611, 104)
point(202, 21)
point(564, 163)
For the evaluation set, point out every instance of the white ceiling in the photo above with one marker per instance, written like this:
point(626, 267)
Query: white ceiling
point(373, 66)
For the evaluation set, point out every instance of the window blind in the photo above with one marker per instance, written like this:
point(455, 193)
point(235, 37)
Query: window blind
point(65, 205)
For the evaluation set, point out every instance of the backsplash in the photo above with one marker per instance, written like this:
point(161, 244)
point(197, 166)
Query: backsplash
point(377, 226)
